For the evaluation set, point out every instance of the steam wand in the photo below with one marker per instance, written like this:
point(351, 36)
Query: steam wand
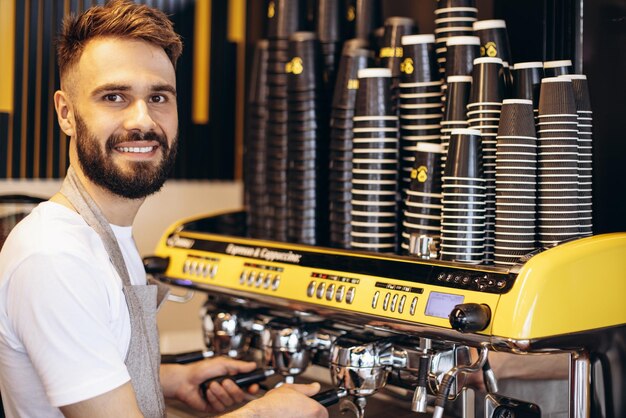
point(449, 377)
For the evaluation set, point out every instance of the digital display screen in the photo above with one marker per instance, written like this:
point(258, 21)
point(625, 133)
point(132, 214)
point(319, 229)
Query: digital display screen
point(441, 304)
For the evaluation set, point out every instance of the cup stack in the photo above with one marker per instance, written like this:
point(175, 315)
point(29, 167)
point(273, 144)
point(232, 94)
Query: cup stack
point(365, 17)
point(392, 52)
point(328, 29)
point(461, 51)
point(527, 83)
point(452, 18)
point(516, 182)
point(463, 200)
point(256, 199)
point(455, 113)
point(420, 100)
point(422, 213)
point(283, 22)
point(307, 166)
point(375, 164)
point(557, 68)
point(353, 59)
point(558, 162)
point(483, 113)
point(585, 153)
point(494, 42)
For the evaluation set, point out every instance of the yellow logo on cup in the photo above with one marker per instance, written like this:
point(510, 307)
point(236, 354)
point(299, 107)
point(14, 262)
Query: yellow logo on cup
point(271, 9)
point(294, 66)
point(490, 49)
point(406, 66)
point(353, 84)
point(388, 52)
point(422, 173)
point(351, 14)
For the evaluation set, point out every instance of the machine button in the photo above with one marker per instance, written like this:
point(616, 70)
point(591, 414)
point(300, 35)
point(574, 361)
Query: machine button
point(340, 292)
point(243, 277)
point(458, 278)
point(310, 290)
point(401, 304)
point(194, 268)
point(386, 301)
point(186, 266)
point(213, 271)
point(320, 290)
point(206, 267)
point(259, 279)
point(350, 295)
point(501, 284)
point(375, 299)
point(413, 306)
point(449, 277)
point(441, 276)
point(268, 280)
point(330, 292)
point(251, 278)
point(394, 301)
point(466, 280)
point(276, 282)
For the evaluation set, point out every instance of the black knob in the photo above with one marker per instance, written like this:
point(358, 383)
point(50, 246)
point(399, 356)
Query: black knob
point(155, 265)
point(470, 317)
point(242, 379)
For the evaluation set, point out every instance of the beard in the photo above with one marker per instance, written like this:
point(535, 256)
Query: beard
point(144, 177)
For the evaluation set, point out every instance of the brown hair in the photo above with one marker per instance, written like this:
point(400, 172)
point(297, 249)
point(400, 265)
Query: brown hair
point(117, 18)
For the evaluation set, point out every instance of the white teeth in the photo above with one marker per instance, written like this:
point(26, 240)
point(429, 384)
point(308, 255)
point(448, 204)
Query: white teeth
point(136, 149)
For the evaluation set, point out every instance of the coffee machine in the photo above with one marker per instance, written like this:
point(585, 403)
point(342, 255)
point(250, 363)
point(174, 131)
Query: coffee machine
point(384, 323)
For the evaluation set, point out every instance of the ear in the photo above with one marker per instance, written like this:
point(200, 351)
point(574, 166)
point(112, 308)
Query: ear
point(65, 112)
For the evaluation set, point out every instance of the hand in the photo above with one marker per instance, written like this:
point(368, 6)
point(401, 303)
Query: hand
point(182, 382)
point(286, 401)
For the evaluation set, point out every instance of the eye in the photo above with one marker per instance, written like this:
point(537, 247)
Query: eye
point(113, 98)
point(158, 98)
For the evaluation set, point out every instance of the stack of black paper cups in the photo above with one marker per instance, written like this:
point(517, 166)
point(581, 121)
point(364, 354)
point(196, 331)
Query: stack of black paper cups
point(392, 52)
point(516, 182)
point(420, 100)
point(329, 34)
point(422, 213)
point(483, 113)
point(452, 18)
point(256, 198)
point(494, 42)
point(558, 162)
point(307, 183)
point(375, 164)
point(455, 114)
point(353, 59)
point(364, 16)
point(283, 21)
point(557, 68)
point(461, 51)
point(585, 153)
point(527, 83)
point(463, 212)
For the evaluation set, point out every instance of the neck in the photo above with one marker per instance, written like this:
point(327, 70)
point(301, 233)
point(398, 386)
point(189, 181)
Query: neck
point(116, 209)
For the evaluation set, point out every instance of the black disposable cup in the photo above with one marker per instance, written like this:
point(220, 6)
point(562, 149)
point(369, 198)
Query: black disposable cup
point(283, 18)
point(391, 53)
point(517, 119)
point(581, 94)
point(557, 68)
point(418, 62)
point(494, 39)
point(487, 81)
point(464, 158)
point(460, 54)
point(373, 97)
point(457, 98)
point(328, 20)
point(527, 81)
point(366, 17)
point(556, 98)
point(352, 60)
point(426, 168)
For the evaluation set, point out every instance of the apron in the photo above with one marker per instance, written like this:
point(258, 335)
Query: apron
point(143, 358)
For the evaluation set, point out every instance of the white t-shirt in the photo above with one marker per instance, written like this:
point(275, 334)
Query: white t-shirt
point(64, 322)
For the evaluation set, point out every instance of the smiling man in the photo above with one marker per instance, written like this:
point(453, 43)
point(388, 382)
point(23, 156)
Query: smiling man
point(78, 331)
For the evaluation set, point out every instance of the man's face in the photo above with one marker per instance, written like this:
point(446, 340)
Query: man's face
point(125, 115)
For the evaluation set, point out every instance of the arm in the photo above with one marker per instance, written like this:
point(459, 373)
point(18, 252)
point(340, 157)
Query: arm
point(119, 402)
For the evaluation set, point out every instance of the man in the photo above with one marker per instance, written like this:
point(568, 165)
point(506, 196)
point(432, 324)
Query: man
point(77, 319)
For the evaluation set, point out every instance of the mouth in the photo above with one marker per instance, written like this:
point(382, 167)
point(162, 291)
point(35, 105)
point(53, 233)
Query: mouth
point(137, 150)
point(143, 149)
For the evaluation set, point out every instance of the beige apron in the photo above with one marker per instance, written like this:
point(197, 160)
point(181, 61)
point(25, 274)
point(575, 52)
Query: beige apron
point(143, 358)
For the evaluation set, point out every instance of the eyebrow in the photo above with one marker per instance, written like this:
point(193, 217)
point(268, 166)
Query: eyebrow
point(123, 87)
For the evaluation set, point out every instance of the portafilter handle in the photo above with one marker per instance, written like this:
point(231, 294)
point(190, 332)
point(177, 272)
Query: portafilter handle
point(330, 397)
point(242, 379)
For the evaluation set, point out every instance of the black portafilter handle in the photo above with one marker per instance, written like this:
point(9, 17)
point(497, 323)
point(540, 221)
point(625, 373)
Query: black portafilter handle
point(155, 265)
point(184, 358)
point(330, 397)
point(242, 379)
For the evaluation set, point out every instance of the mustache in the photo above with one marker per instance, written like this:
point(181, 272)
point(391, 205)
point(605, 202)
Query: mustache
point(116, 139)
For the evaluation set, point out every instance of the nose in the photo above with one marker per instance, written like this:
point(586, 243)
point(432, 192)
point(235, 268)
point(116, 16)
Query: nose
point(139, 117)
